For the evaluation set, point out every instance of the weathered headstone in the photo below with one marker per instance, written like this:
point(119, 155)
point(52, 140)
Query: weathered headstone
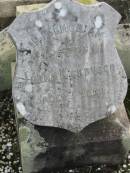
point(68, 71)
point(69, 78)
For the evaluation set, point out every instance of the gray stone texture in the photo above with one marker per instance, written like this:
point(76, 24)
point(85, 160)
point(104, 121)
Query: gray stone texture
point(68, 72)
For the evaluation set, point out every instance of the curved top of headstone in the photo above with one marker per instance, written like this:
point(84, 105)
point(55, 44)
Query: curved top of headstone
point(68, 72)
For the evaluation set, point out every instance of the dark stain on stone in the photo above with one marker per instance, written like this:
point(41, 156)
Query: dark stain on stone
point(45, 64)
point(22, 121)
point(79, 149)
point(126, 26)
point(27, 51)
point(55, 15)
point(75, 18)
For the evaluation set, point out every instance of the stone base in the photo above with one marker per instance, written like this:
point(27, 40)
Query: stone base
point(47, 148)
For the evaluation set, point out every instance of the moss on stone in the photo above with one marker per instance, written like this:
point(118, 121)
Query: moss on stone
point(24, 133)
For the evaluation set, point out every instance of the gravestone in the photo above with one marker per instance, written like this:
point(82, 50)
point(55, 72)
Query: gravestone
point(69, 85)
point(67, 65)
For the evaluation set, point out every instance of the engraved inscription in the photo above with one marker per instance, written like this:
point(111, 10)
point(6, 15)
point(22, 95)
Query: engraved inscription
point(63, 28)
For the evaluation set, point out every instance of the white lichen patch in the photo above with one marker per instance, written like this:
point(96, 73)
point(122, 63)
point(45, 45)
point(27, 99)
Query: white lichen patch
point(63, 12)
point(17, 96)
point(21, 108)
point(28, 88)
point(98, 22)
point(38, 23)
point(112, 109)
point(58, 5)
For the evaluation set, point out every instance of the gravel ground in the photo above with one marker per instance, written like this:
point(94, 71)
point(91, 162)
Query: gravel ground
point(9, 150)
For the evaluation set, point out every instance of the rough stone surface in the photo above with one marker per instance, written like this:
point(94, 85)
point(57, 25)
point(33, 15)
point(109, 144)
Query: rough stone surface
point(7, 55)
point(123, 46)
point(68, 72)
